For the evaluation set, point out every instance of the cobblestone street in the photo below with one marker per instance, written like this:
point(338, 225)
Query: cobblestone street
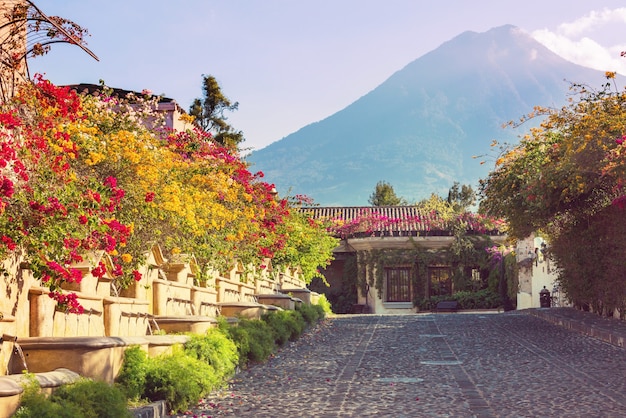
point(435, 365)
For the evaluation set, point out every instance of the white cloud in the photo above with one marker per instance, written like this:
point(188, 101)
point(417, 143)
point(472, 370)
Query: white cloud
point(594, 19)
point(582, 40)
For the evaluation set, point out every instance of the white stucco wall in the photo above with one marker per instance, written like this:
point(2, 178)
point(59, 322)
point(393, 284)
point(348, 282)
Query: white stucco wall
point(536, 271)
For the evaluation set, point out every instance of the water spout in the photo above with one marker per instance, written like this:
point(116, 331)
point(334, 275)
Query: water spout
point(153, 326)
point(17, 353)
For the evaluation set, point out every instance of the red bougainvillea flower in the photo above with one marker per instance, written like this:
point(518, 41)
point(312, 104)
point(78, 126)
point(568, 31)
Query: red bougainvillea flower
point(68, 302)
point(100, 270)
point(8, 242)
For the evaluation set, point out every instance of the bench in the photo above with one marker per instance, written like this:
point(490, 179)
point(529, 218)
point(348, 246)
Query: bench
point(447, 306)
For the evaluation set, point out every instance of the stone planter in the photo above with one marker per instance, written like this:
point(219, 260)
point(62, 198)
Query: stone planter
point(94, 357)
point(243, 309)
point(10, 392)
point(302, 294)
point(125, 317)
point(47, 321)
point(191, 323)
point(172, 298)
point(204, 301)
point(90, 285)
point(142, 289)
point(278, 299)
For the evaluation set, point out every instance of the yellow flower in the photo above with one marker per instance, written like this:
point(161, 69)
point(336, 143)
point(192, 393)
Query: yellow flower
point(186, 118)
point(127, 258)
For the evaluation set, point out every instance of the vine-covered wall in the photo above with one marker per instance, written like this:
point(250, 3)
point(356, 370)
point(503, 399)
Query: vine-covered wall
point(476, 272)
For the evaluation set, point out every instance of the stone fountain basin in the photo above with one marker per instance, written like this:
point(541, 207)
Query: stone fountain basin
point(11, 387)
point(94, 357)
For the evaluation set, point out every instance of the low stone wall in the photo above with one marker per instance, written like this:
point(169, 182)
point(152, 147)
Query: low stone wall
point(609, 330)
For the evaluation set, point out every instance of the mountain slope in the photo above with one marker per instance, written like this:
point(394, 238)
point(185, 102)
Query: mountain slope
point(420, 129)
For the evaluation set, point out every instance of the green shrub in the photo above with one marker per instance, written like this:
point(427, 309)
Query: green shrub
point(82, 399)
point(285, 325)
point(215, 348)
point(132, 375)
point(179, 379)
point(278, 327)
point(254, 340)
point(241, 338)
point(482, 299)
point(310, 313)
point(323, 305)
point(34, 404)
point(321, 311)
point(97, 399)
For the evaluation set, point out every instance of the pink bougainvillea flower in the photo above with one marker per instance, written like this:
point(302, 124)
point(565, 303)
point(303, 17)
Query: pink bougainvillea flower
point(620, 202)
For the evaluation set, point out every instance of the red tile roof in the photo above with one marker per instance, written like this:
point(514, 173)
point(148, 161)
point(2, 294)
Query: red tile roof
point(362, 221)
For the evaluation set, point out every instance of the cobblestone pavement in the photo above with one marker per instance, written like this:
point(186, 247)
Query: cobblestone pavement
point(434, 365)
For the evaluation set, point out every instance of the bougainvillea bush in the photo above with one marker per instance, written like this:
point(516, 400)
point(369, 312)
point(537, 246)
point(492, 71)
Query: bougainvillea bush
point(566, 179)
point(93, 174)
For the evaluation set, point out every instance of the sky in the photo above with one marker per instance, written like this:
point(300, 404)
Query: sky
point(289, 63)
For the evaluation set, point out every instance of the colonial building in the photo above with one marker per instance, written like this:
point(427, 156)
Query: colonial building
point(167, 108)
point(391, 258)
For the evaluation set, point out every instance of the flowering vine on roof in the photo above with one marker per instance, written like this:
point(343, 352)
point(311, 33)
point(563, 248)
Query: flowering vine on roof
point(372, 222)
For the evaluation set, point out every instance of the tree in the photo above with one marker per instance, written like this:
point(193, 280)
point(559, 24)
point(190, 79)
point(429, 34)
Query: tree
point(566, 179)
point(458, 202)
point(384, 195)
point(462, 199)
point(569, 168)
point(438, 205)
point(209, 113)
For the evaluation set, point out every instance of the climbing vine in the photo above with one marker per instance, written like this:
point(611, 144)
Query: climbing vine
point(466, 253)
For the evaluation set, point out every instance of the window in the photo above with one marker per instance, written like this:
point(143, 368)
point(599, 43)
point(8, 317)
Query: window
point(440, 281)
point(398, 284)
